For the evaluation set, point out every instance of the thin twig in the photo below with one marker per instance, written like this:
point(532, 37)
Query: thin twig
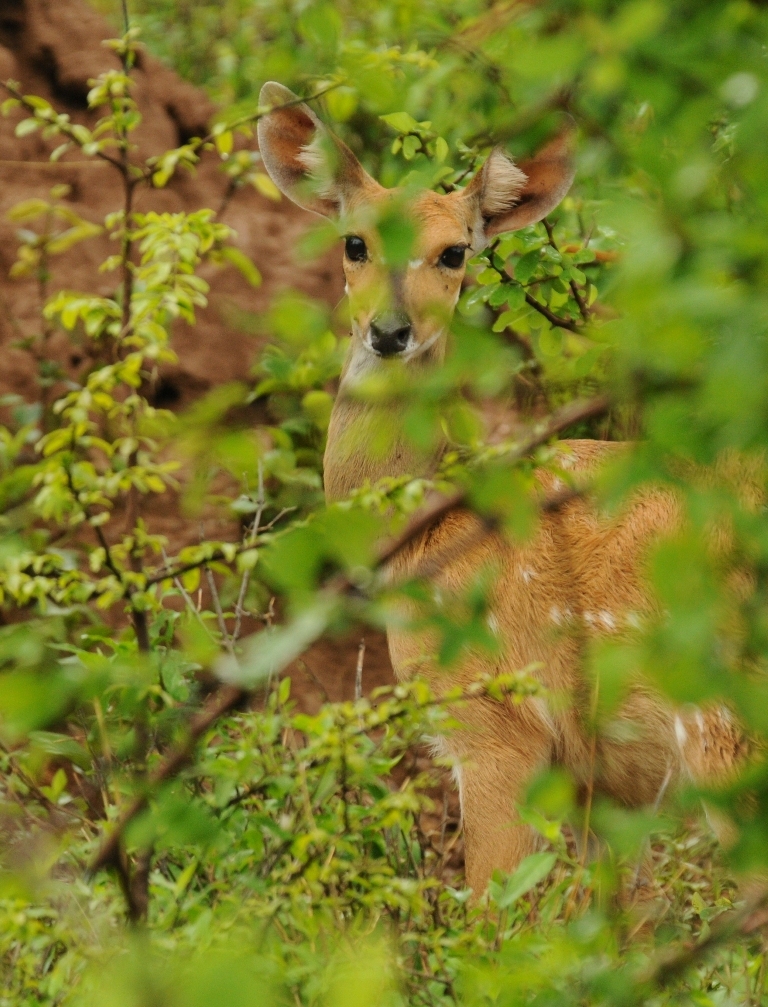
point(583, 309)
point(188, 599)
point(219, 611)
point(251, 538)
point(646, 842)
point(560, 323)
point(305, 668)
point(217, 554)
point(359, 670)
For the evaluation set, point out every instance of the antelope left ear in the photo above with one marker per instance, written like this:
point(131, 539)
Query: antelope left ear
point(305, 160)
point(510, 196)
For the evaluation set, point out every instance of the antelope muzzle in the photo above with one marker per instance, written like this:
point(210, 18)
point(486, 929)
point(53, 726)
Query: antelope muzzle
point(390, 333)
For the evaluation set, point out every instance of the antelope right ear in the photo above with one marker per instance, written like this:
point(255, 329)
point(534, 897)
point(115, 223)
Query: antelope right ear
point(507, 196)
point(307, 163)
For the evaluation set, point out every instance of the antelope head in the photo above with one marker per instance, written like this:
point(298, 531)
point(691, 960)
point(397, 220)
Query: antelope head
point(401, 311)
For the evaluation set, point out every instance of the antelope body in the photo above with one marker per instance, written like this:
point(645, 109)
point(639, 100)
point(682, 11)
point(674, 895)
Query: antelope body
point(580, 575)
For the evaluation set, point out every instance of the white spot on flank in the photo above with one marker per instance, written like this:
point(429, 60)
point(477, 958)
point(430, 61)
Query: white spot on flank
point(540, 705)
point(567, 462)
point(555, 615)
point(527, 574)
point(558, 484)
point(702, 730)
point(608, 621)
point(589, 618)
point(493, 623)
point(680, 732)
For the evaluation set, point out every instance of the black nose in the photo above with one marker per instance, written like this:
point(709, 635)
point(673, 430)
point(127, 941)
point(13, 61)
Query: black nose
point(390, 334)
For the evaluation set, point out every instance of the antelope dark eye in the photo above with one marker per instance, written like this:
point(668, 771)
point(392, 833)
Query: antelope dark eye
point(355, 249)
point(453, 257)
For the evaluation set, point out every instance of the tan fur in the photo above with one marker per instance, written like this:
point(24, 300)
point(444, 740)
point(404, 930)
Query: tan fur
point(580, 576)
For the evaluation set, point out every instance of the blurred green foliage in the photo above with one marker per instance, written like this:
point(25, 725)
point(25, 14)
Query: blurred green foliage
point(281, 862)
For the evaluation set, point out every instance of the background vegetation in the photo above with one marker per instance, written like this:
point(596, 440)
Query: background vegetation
point(173, 831)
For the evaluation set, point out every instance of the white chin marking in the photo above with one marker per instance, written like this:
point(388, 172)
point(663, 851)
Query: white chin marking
point(418, 348)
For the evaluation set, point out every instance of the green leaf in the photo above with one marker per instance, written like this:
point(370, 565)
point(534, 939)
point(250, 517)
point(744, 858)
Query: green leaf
point(527, 265)
point(488, 276)
point(342, 103)
point(533, 869)
point(411, 146)
point(401, 121)
point(63, 242)
point(28, 209)
point(224, 143)
point(264, 184)
point(59, 151)
point(505, 319)
point(26, 126)
point(61, 746)
point(241, 261)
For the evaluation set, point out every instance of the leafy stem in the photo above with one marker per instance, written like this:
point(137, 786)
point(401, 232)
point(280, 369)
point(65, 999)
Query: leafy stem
point(577, 296)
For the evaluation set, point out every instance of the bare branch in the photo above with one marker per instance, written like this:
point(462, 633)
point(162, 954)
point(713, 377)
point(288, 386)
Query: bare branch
point(219, 611)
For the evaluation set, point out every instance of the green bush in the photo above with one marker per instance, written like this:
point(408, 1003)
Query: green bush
point(154, 768)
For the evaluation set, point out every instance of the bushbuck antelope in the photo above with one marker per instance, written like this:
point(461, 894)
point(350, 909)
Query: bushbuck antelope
point(579, 571)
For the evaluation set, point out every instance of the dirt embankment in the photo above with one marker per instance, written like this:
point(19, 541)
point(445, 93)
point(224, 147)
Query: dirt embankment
point(53, 47)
